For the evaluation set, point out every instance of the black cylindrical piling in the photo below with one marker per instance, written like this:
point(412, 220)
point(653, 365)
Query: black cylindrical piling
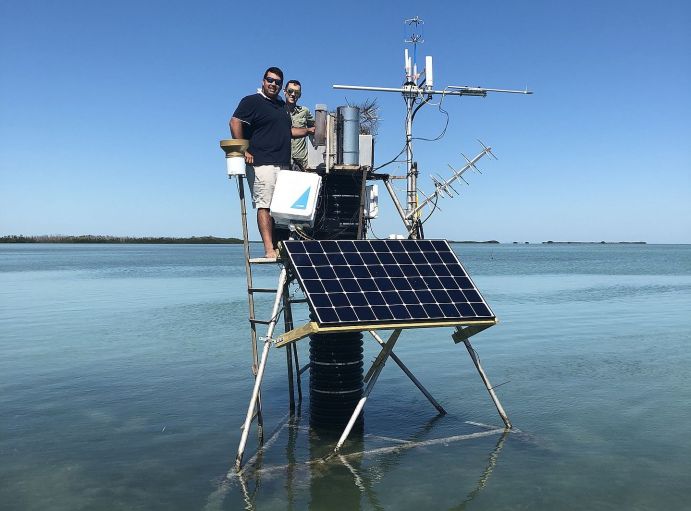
point(336, 375)
point(336, 379)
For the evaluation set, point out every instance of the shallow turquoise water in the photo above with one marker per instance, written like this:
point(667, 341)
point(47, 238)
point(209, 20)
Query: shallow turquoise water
point(124, 378)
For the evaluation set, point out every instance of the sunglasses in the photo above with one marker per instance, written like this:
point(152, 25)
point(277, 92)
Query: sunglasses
point(277, 81)
point(294, 92)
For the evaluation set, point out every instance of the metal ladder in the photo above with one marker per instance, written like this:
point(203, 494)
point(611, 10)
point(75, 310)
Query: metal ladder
point(281, 293)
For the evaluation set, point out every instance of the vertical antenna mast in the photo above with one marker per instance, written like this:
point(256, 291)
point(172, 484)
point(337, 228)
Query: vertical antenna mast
point(418, 89)
point(414, 36)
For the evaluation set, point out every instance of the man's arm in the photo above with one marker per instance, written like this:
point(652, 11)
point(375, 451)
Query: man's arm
point(237, 131)
point(301, 132)
point(236, 128)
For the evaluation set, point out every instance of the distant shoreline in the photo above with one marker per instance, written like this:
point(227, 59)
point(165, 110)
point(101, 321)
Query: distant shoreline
point(198, 240)
point(213, 240)
point(468, 241)
point(594, 242)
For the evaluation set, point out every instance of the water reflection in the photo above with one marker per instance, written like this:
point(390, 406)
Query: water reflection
point(335, 481)
point(482, 482)
point(349, 480)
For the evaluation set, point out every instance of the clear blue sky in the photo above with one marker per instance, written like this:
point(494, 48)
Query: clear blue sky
point(111, 112)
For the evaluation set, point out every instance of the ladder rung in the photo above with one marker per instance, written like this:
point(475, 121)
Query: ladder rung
point(261, 290)
point(260, 321)
point(264, 260)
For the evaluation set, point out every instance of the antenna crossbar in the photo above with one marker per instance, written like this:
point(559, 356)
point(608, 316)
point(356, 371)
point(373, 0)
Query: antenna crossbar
point(455, 90)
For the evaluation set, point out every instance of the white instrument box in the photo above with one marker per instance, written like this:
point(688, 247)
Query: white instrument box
point(295, 197)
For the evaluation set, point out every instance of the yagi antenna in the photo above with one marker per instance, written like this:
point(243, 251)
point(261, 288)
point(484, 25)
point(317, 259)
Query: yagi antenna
point(418, 89)
point(443, 186)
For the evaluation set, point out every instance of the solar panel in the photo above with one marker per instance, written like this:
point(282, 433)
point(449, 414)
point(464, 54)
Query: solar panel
point(349, 282)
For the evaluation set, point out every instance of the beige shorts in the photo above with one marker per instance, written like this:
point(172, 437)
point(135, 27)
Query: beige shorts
point(262, 181)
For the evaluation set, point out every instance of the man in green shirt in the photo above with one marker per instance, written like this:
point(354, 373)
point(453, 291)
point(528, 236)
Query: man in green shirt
point(303, 124)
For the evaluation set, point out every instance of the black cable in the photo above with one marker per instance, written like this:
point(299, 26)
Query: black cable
point(434, 208)
point(441, 135)
point(405, 146)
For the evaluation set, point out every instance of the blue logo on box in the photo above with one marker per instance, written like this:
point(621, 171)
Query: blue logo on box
point(301, 203)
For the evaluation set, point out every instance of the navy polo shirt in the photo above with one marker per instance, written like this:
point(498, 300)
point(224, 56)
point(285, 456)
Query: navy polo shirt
point(267, 126)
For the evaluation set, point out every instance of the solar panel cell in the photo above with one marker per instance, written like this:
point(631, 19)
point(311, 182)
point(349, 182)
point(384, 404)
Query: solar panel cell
point(374, 298)
point(332, 286)
point(314, 286)
point(465, 309)
point(357, 299)
point(343, 272)
point(364, 313)
point(448, 310)
point(386, 258)
point(376, 271)
point(337, 259)
point(308, 272)
point(339, 300)
point(384, 284)
point(368, 285)
point(401, 284)
point(328, 316)
point(346, 315)
point(394, 271)
point(318, 259)
point(382, 313)
point(350, 286)
point(301, 260)
point(472, 295)
point(320, 300)
point(361, 272)
point(433, 310)
point(400, 312)
point(481, 309)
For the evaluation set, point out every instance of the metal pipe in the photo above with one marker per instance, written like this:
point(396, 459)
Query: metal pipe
point(485, 380)
point(288, 323)
point(327, 154)
point(260, 371)
point(250, 299)
point(253, 400)
point(248, 269)
point(411, 191)
point(396, 202)
point(298, 370)
point(410, 375)
point(455, 90)
point(381, 361)
point(349, 121)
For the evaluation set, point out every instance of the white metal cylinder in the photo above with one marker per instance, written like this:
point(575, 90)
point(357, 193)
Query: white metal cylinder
point(235, 165)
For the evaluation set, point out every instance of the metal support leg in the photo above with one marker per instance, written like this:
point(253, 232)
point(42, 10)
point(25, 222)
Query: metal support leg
point(485, 380)
point(375, 372)
point(297, 370)
point(260, 371)
point(253, 401)
point(288, 322)
point(410, 375)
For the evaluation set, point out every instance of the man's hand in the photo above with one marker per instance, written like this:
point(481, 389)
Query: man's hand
point(249, 159)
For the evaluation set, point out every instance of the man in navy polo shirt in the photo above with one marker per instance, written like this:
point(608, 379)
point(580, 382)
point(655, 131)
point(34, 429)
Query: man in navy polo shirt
point(262, 119)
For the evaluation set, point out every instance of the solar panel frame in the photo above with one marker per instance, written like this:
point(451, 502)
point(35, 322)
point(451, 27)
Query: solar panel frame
point(351, 282)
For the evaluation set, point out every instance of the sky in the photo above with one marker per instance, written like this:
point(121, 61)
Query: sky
point(111, 112)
